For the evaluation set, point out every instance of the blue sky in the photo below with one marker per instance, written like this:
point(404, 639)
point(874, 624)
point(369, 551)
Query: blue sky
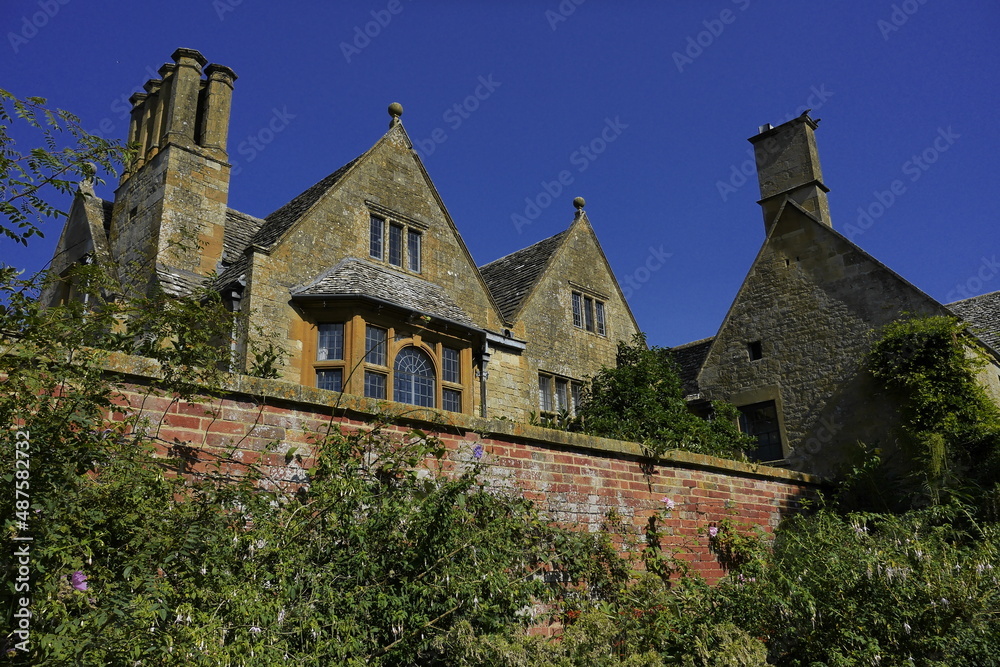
point(643, 108)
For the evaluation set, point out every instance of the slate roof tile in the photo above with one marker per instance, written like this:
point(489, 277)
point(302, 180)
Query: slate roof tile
point(690, 357)
point(354, 276)
point(511, 278)
point(983, 314)
point(281, 220)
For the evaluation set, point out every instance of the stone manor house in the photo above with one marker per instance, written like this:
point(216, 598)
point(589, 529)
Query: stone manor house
point(366, 283)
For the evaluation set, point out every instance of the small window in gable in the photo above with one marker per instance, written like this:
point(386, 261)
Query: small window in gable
point(413, 250)
point(755, 350)
point(589, 313)
point(396, 245)
point(577, 309)
point(377, 231)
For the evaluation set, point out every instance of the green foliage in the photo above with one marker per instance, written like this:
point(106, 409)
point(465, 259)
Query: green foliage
point(865, 589)
point(951, 428)
point(641, 400)
point(386, 553)
point(64, 154)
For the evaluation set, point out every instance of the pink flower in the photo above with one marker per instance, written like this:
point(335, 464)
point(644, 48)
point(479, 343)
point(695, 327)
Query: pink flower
point(713, 531)
point(78, 580)
point(668, 502)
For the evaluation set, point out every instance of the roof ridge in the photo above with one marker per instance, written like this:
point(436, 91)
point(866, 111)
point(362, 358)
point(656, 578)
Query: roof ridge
point(512, 278)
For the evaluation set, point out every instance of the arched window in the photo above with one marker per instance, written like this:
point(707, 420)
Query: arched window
point(414, 378)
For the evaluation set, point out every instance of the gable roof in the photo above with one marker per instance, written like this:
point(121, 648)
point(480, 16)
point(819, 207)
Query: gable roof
point(281, 220)
point(359, 278)
point(983, 314)
point(790, 208)
point(511, 278)
point(239, 233)
point(689, 358)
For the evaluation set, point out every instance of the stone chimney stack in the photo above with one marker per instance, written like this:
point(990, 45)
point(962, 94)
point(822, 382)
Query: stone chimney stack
point(788, 166)
point(216, 102)
point(169, 218)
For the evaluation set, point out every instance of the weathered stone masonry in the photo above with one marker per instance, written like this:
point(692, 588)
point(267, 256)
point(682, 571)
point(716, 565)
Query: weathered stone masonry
point(576, 478)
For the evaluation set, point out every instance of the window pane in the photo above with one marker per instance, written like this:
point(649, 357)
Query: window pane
point(374, 385)
point(375, 244)
point(561, 395)
point(575, 389)
point(577, 310)
point(588, 313)
point(375, 339)
point(599, 310)
point(332, 379)
point(449, 366)
point(760, 420)
point(413, 380)
point(395, 245)
point(451, 400)
point(413, 250)
point(545, 393)
point(331, 341)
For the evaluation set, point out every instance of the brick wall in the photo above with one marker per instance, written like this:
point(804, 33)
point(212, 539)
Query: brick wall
point(576, 478)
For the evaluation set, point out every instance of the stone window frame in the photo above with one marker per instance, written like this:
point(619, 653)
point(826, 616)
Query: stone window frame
point(549, 403)
point(589, 310)
point(411, 238)
point(770, 394)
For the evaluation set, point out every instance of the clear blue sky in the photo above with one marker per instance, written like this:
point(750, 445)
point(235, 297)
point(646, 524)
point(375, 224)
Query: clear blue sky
point(677, 86)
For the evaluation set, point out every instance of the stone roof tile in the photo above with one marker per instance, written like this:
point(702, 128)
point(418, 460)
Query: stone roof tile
point(240, 230)
point(356, 277)
point(511, 278)
point(983, 315)
point(281, 220)
point(690, 357)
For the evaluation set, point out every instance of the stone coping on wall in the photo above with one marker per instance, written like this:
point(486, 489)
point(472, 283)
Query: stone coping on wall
point(144, 370)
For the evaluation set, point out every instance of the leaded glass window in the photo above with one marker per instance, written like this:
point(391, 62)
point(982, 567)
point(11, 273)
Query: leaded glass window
point(414, 381)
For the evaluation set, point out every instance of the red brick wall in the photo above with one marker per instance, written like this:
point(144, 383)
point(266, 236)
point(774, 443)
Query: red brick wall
point(576, 478)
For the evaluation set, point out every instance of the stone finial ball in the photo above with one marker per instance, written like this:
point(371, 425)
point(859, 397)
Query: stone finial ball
point(395, 109)
point(579, 202)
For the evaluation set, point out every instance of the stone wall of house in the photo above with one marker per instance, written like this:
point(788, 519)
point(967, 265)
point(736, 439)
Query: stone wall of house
point(338, 227)
point(815, 303)
point(576, 478)
point(554, 344)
